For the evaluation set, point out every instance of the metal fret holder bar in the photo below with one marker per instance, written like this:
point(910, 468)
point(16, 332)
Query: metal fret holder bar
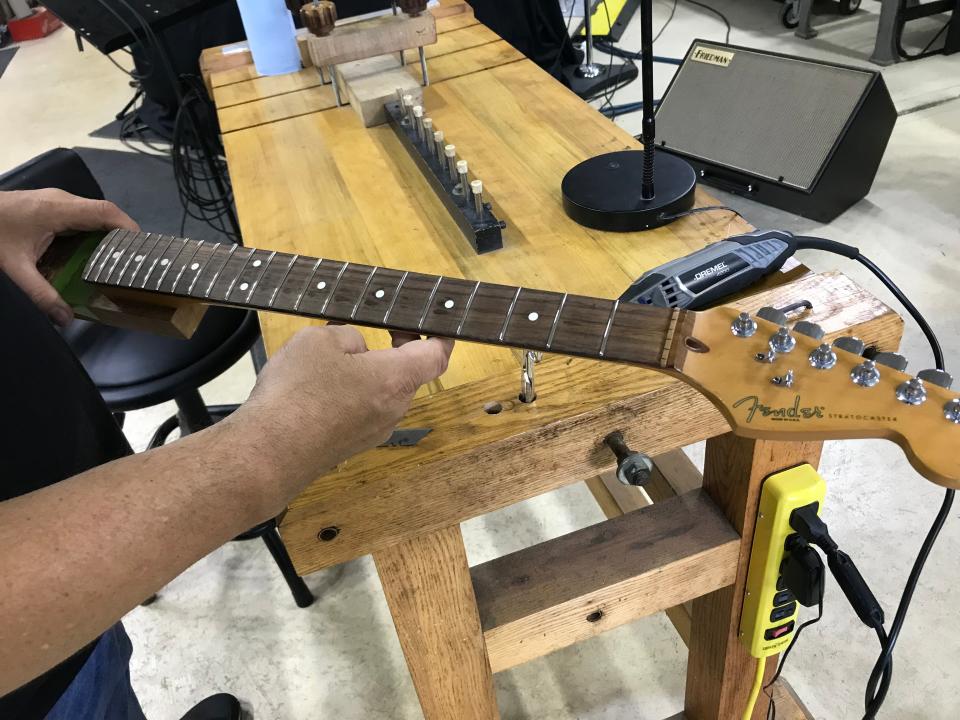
point(448, 177)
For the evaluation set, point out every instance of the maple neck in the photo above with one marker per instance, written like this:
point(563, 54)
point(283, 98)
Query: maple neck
point(227, 274)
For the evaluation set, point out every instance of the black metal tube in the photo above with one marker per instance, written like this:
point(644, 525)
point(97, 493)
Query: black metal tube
point(646, 77)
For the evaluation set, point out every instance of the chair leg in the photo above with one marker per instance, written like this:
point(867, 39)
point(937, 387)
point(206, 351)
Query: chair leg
point(301, 593)
point(193, 413)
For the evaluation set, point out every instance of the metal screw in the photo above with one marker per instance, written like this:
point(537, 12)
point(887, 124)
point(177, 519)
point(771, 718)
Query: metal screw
point(633, 468)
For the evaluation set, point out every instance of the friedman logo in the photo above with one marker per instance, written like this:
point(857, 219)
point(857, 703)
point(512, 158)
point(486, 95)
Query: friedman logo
point(712, 56)
point(719, 269)
point(791, 413)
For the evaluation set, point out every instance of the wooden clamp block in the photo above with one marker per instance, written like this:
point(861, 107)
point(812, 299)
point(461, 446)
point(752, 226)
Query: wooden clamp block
point(369, 38)
point(370, 83)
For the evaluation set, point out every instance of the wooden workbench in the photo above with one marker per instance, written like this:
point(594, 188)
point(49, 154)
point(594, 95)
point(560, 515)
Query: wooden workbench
point(308, 178)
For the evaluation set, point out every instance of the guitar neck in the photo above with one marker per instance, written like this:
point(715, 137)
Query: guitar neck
point(227, 274)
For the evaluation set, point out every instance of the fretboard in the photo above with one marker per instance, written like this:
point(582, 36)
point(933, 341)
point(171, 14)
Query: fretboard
point(227, 274)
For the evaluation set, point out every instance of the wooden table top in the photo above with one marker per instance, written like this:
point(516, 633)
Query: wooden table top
point(312, 180)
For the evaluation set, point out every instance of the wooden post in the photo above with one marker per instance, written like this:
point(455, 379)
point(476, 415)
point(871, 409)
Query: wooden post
point(720, 670)
point(427, 584)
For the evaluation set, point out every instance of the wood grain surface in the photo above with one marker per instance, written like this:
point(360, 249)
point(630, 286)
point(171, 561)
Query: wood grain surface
point(427, 585)
point(568, 589)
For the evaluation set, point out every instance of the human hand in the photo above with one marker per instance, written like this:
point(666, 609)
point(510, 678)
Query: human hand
point(29, 221)
point(324, 397)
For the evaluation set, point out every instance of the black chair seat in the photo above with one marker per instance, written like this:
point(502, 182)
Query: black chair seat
point(134, 370)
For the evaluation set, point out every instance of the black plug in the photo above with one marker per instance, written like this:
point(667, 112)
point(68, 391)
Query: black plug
point(812, 529)
point(803, 571)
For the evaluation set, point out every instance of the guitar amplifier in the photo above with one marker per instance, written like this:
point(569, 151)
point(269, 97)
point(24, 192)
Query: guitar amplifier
point(802, 135)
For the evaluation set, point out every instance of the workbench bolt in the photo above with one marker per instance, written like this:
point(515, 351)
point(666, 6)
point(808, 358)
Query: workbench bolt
point(423, 67)
point(428, 135)
point(418, 121)
point(328, 533)
point(407, 110)
point(461, 187)
point(438, 143)
point(633, 468)
point(451, 153)
point(476, 187)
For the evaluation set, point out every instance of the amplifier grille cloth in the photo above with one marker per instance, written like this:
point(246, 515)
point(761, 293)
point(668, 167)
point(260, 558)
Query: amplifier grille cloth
point(765, 115)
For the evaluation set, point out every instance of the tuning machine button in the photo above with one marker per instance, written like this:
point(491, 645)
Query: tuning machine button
point(772, 314)
point(941, 378)
point(865, 374)
point(812, 330)
point(823, 357)
point(744, 326)
point(951, 411)
point(782, 341)
point(892, 360)
point(912, 392)
point(850, 344)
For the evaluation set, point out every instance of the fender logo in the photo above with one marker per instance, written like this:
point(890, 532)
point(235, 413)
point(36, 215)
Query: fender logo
point(793, 413)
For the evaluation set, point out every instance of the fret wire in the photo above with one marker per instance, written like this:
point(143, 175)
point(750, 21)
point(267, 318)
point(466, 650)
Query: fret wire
point(333, 290)
point(313, 274)
point(273, 296)
point(606, 333)
point(196, 277)
point(130, 259)
point(233, 249)
point(166, 268)
point(184, 268)
point(396, 294)
point(556, 319)
point(100, 248)
point(237, 276)
point(426, 308)
point(156, 260)
point(143, 258)
point(473, 294)
point(260, 276)
point(363, 292)
point(513, 304)
point(113, 245)
point(120, 254)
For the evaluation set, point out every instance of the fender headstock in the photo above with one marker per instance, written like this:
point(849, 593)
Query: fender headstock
point(774, 381)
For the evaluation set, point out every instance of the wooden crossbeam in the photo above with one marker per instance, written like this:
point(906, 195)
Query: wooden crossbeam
point(568, 589)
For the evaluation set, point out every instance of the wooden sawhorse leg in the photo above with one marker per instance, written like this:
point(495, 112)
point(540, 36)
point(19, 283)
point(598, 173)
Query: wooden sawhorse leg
point(427, 584)
point(720, 670)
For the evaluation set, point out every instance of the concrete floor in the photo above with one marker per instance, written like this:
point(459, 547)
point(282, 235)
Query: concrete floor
point(228, 623)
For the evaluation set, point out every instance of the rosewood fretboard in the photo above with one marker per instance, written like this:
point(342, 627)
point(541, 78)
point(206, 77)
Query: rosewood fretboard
point(226, 274)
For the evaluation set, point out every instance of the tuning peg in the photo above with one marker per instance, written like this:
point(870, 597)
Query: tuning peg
point(891, 360)
point(951, 411)
point(809, 329)
point(865, 374)
point(850, 344)
point(940, 378)
point(823, 357)
point(744, 326)
point(912, 392)
point(782, 341)
point(771, 314)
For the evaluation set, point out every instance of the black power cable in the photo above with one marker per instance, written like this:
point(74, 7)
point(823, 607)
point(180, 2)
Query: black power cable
point(879, 681)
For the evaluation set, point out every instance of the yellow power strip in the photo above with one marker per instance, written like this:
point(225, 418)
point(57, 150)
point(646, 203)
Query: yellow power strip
point(769, 615)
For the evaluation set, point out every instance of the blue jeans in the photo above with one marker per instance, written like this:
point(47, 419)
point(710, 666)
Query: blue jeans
point(102, 690)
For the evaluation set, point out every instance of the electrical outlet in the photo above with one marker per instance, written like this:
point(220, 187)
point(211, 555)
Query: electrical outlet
point(768, 620)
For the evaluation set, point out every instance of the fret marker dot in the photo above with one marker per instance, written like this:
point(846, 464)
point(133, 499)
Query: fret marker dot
point(533, 317)
point(448, 304)
point(244, 286)
point(164, 261)
point(379, 294)
point(138, 258)
point(195, 266)
point(321, 285)
point(257, 263)
point(116, 255)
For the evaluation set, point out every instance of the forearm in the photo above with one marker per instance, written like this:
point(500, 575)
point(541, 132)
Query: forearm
point(80, 554)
